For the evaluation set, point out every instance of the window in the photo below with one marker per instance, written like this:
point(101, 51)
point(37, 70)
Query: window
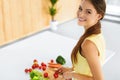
point(114, 2)
point(113, 7)
point(113, 11)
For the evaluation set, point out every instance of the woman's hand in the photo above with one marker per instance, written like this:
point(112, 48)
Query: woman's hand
point(67, 75)
point(63, 70)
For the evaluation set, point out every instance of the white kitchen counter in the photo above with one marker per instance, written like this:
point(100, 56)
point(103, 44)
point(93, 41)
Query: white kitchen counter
point(43, 46)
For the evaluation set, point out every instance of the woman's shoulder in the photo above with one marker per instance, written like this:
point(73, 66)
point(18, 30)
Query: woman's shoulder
point(86, 43)
point(88, 46)
point(95, 37)
point(92, 41)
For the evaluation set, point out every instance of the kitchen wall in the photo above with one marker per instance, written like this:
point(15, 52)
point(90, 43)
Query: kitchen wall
point(19, 18)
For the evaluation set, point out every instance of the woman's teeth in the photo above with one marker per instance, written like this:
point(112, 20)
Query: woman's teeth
point(81, 19)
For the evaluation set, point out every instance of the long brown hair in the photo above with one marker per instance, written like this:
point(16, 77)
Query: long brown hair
point(100, 7)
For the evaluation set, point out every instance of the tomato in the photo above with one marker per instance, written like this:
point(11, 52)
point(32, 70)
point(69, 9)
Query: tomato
point(35, 60)
point(30, 70)
point(43, 64)
point(45, 74)
point(55, 75)
point(52, 61)
point(36, 65)
point(43, 68)
point(33, 66)
point(26, 70)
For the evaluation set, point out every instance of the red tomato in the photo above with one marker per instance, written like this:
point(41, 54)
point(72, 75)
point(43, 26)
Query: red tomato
point(43, 68)
point(36, 65)
point(35, 60)
point(43, 64)
point(30, 70)
point(33, 66)
point(45, 74)
point(52, 61)
point(55, 75)
point(26, 70)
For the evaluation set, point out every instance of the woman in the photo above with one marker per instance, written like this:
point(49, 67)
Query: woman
point(88, 54)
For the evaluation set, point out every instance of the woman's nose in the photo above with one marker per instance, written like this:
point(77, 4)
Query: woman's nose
point(80, 14)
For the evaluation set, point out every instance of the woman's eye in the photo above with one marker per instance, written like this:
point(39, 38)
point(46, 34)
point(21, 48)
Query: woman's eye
point(80, 9)
point(88, 12)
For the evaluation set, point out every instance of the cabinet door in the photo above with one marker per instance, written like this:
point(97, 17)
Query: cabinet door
point(1, 24)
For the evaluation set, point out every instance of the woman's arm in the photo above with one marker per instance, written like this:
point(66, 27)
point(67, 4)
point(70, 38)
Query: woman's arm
point(90, 52)
point(70, 75)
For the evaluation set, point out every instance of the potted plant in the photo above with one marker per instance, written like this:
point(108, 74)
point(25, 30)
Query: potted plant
point(52, 12)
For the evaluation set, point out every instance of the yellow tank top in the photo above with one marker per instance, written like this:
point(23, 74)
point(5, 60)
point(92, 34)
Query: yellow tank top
point(82, 66)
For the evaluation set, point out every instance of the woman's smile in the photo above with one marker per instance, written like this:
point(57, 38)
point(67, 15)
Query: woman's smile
point(81, 19)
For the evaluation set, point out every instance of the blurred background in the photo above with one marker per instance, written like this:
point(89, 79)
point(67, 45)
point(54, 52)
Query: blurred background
point(20, 18)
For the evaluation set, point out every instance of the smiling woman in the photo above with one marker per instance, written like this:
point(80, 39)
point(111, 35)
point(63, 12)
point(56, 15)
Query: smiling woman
point(88, 55)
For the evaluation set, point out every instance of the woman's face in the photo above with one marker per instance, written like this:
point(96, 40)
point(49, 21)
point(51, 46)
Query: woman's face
point(87, 14)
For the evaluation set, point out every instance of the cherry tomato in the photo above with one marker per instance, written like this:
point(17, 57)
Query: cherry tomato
point(36, 65)
point(52, 61)
point(26, 70)
point(55, 75)
point(43, 68)
point(35, 60)
point(42, 64)
point(33, 66)
point(30, 70)
point(45, 74)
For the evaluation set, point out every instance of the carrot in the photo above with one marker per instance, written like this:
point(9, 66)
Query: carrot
point(51, 63)
point(54, 65)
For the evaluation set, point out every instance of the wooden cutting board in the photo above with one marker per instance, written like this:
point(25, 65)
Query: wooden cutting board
point(51, 72)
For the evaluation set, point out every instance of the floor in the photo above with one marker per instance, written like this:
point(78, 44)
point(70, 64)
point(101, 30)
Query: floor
point(111, 33)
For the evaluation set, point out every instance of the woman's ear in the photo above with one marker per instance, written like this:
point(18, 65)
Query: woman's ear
point(99, 16)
